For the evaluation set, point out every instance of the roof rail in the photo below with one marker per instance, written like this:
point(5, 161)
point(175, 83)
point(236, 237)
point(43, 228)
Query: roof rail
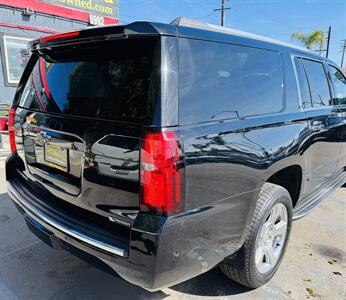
point(187, 22)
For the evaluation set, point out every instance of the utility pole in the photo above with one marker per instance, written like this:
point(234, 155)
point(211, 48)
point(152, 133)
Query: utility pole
point(343, 53)
point(328, 40)
point(222, 9)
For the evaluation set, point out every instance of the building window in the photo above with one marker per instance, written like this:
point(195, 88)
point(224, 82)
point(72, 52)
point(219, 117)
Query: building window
point(15, 57)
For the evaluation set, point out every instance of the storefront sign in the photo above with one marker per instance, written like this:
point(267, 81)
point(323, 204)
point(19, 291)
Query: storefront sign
point(104, 8)
point(96, 20)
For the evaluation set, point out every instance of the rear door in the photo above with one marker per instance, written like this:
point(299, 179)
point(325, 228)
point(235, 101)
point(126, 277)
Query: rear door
point(82, 113)
point(324, 123)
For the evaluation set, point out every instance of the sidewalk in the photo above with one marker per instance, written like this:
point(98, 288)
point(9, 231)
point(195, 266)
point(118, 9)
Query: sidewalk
point(4, 146)
point(4, 152)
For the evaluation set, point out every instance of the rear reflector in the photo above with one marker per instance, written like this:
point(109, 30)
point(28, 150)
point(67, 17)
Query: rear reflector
point(160, 173)
point(60, 36)
point(12, 130)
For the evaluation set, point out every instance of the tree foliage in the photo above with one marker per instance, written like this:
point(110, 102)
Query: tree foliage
point(310, 39)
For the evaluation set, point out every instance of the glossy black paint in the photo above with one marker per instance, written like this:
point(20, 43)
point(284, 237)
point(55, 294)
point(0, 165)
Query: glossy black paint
point(226, 163)
point(102, 175)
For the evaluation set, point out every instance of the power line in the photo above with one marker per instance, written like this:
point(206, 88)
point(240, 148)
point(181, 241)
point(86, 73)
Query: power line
point(205, 16)
point(222, 9)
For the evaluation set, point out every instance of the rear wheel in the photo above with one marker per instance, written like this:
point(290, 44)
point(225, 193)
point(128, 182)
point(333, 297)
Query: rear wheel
point(261, 254)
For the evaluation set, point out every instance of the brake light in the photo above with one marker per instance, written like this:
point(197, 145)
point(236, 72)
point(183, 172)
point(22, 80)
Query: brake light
point(12, 130)
point(59, 36)
point(160, 173)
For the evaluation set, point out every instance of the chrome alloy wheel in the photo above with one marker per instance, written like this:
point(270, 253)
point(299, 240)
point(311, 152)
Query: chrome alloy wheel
point(271, 238)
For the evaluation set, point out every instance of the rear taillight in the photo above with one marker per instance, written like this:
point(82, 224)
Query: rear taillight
point(12, 130)
point(160, 173)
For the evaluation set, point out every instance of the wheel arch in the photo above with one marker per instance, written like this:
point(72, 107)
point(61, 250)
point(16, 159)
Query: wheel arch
point(289, 178)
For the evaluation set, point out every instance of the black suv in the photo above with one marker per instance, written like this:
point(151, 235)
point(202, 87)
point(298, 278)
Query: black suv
point(164, 150)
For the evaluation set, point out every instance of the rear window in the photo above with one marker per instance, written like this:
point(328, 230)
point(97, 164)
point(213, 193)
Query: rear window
point(111, 82)
point(222, 81)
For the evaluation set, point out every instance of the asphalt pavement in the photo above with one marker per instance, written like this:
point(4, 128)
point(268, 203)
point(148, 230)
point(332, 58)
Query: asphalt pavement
point(314, 266)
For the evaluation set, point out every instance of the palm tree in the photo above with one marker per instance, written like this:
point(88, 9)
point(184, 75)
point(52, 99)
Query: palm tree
point(310, 39)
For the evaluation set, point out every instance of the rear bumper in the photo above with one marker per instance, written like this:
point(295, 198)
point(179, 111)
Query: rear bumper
point(161, 252)
point(49, 222)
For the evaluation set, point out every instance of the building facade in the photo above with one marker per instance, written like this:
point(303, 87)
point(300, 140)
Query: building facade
point(24, 20)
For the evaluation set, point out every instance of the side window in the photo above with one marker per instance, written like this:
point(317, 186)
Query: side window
point(221, 81)
point(339, 83)
point(303, 83)
point(319, 88)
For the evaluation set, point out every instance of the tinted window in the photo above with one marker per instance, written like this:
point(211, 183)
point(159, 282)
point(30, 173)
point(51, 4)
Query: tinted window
point(319, 89)
point(339, 83)
point(219, 81)
point(303, 83)
point(110, 82)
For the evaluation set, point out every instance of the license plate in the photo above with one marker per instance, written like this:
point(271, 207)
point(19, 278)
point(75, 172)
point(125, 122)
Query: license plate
point(55, 156)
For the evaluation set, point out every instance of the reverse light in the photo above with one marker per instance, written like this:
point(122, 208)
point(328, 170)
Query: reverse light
point(12, 130)
point(59, 36)
point(160, 173)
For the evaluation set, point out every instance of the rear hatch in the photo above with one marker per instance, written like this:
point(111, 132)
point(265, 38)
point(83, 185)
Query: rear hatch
point(82, 112)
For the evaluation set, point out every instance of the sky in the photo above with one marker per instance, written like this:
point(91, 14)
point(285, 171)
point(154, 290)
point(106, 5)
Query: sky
point(272, 18)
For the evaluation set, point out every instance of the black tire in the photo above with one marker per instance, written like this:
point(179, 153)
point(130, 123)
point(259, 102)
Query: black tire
point(240, 266)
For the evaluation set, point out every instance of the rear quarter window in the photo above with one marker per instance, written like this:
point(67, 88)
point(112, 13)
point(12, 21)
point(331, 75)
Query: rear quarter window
point(222, 81)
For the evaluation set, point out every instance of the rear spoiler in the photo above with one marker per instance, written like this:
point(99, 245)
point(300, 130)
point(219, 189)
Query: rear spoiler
point(71, 38)
point(103, 33)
